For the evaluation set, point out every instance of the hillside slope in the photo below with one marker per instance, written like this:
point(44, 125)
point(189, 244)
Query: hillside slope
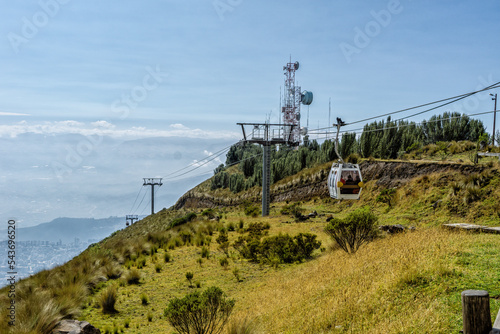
point(408, 283)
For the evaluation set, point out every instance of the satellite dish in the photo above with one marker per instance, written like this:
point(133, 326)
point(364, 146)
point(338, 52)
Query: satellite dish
point(296, 65)
point(303, 131)
point(298, 117)
point(306, 97)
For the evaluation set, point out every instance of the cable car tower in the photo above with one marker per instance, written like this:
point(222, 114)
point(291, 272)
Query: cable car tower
point(288, 133)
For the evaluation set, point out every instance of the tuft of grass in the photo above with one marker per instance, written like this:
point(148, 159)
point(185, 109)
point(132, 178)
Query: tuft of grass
point(108, 299)
point(133, 276)
point(144, 299)
point(241, 326)
point(205, 252)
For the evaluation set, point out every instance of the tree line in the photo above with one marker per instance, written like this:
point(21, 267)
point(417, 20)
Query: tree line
point(384, 139)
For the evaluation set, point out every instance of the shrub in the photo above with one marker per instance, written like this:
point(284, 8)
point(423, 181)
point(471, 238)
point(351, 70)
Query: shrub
point(158, 267)
point(189, 277)
point(223, 241)
point(252, 210)
point(224, 262)
point(295, 209)
point(286, 249)
point(206, 312)
point(257, 230)
point(387, 196)
point(144, 299)
point(112, 271)
point(108, 299)
point(236, 273)
point(183, 220)
point(209, 213)
point(205, 252)
point(167, 257)
point(282, 248)
point(354, 230)
point(133, 276)
point(186, 237)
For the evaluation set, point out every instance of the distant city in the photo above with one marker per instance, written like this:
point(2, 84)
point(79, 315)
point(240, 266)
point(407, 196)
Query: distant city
point(35, 255)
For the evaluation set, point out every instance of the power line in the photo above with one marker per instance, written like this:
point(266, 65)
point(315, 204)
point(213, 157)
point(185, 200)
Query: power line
point(136, 197)
point(454, 98)
point(361, 130)
point(210, 158)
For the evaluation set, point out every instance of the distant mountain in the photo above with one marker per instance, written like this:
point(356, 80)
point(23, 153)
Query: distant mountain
point(67, 229)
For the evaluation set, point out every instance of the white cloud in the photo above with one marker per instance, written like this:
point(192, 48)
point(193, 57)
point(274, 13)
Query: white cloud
point(2, 113)
point(105, 128)
point(103, 125)
point(179, 126)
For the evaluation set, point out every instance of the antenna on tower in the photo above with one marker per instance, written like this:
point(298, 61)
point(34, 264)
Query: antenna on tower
point(292, 99)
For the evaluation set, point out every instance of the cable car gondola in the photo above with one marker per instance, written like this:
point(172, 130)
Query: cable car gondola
point(344, 180)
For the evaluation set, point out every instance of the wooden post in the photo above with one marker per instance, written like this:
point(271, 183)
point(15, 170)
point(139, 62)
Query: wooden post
point(476, 312)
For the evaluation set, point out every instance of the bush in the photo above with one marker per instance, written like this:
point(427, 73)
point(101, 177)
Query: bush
point(166, 257)
point(205, 252)
point(189, 277)
point(224, 262)
point(144, 299)
point(199, 313)
point(108, 299)
point(223, 241)
point(133, 276)
point(357, 228)
point(295, 209)
point(183, 220)
point(278, 249)
point(252, 210)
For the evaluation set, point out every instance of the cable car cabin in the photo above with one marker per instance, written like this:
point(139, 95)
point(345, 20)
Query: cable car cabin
point(345, 181)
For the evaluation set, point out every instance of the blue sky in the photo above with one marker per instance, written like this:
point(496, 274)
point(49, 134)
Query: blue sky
point(221, 61)
point(129, 70)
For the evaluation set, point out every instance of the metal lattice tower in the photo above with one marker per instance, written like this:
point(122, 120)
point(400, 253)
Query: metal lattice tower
point(152, 182)
point(291, 107)
point(292, 98)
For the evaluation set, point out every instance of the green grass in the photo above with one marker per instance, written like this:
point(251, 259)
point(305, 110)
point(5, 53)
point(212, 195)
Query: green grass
point(400, 284)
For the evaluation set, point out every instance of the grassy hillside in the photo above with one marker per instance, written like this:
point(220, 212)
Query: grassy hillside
point(405, 283)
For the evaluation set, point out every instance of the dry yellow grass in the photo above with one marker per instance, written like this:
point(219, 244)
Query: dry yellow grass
point(376, 290)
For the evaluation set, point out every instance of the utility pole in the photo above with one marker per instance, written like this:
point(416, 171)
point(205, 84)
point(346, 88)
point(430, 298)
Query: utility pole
point(152, 182)
point(494, 98)
point(131, 218)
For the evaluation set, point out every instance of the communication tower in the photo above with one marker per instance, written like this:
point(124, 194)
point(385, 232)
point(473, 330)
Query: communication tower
point(292, 98)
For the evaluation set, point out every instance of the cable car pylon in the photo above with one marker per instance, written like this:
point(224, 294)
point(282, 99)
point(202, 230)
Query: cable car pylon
point(344, 180)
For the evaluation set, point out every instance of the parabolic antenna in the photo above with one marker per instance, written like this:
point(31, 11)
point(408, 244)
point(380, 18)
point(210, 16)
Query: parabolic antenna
point(303, 131)
point(296, 65)
point(306, 97)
